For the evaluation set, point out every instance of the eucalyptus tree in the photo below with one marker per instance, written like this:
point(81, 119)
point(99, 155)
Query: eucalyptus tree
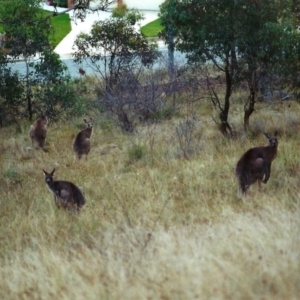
point(25, 41)
point(113, 45)
point(234, 36)
point(261, 40)
point(290, 54)
point(27, 37)
point(10, 92)
point(115, 49)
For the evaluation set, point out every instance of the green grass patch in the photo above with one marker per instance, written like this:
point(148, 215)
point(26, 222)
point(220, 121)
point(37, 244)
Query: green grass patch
point(62, 26)
point(152, 29)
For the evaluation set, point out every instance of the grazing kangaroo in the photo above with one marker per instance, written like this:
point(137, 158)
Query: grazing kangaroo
point(38, 131)
point(66, 194)
point(82, 144)
point(255, 164)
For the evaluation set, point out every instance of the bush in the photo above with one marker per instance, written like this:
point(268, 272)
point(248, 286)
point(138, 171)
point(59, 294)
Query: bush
point(120, 11)
point(11, 92)
point(62, 101)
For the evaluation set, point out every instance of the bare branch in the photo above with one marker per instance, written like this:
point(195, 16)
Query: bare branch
point(81, 8)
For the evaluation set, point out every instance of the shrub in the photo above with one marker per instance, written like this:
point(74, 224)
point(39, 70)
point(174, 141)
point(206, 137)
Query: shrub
point(136, 152)
point(11, 92)
point(62, 100)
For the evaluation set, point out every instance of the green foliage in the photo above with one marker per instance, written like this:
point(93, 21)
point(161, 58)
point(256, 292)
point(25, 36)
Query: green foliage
point(28, 40)
point(238, 37)
point(120, 11)
point(132, 16)
point(152, 29)
point(61, 25)
point(62, 101)
point(118, 44)
point(252, 29)
point(25, 40)
point(50, 69)
point(11, 91)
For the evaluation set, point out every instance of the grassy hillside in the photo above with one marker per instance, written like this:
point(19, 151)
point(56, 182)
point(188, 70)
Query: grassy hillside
point(155, 226)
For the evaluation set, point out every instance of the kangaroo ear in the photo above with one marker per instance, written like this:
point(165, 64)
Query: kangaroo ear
point(85, 120)
point(276, 133)
point(52, 172)
point(45, 173)
point(267, 135)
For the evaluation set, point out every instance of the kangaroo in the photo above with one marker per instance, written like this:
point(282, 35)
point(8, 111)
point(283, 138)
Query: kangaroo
point(38, 131)
point(255, 164)
point(82, 144)
point(66, 194)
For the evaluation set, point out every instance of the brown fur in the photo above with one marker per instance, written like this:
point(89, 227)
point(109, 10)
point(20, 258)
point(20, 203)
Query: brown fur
point(38, 131)
point(255, 164)
point(66, 194)
point(82, 143)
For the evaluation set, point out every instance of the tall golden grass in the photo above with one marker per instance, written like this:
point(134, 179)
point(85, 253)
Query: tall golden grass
point(155, 225)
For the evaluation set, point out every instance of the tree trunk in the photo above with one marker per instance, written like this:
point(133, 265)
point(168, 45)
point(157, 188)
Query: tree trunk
point(171, 47)
point(125, 122)
point(28, 92)
point(29, 105)
point(249, 106)
point(225, 127)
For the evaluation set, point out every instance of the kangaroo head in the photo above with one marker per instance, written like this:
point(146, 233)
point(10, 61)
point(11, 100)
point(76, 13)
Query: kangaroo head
point(273, 142)
point(44, 115)
point(49, 176)
point(89, 124)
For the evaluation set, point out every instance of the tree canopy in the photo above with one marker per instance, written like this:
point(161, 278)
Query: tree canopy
point(237, 37)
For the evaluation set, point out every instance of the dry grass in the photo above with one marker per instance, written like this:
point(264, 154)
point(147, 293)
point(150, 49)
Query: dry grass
point(155, 226)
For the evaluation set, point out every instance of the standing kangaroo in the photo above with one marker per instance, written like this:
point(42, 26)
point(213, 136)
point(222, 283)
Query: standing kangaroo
point(38, 131)
point(255, 164)
point(66, 194)
point(82, 144)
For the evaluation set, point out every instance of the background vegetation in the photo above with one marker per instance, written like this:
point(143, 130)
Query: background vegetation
point(61, 25)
